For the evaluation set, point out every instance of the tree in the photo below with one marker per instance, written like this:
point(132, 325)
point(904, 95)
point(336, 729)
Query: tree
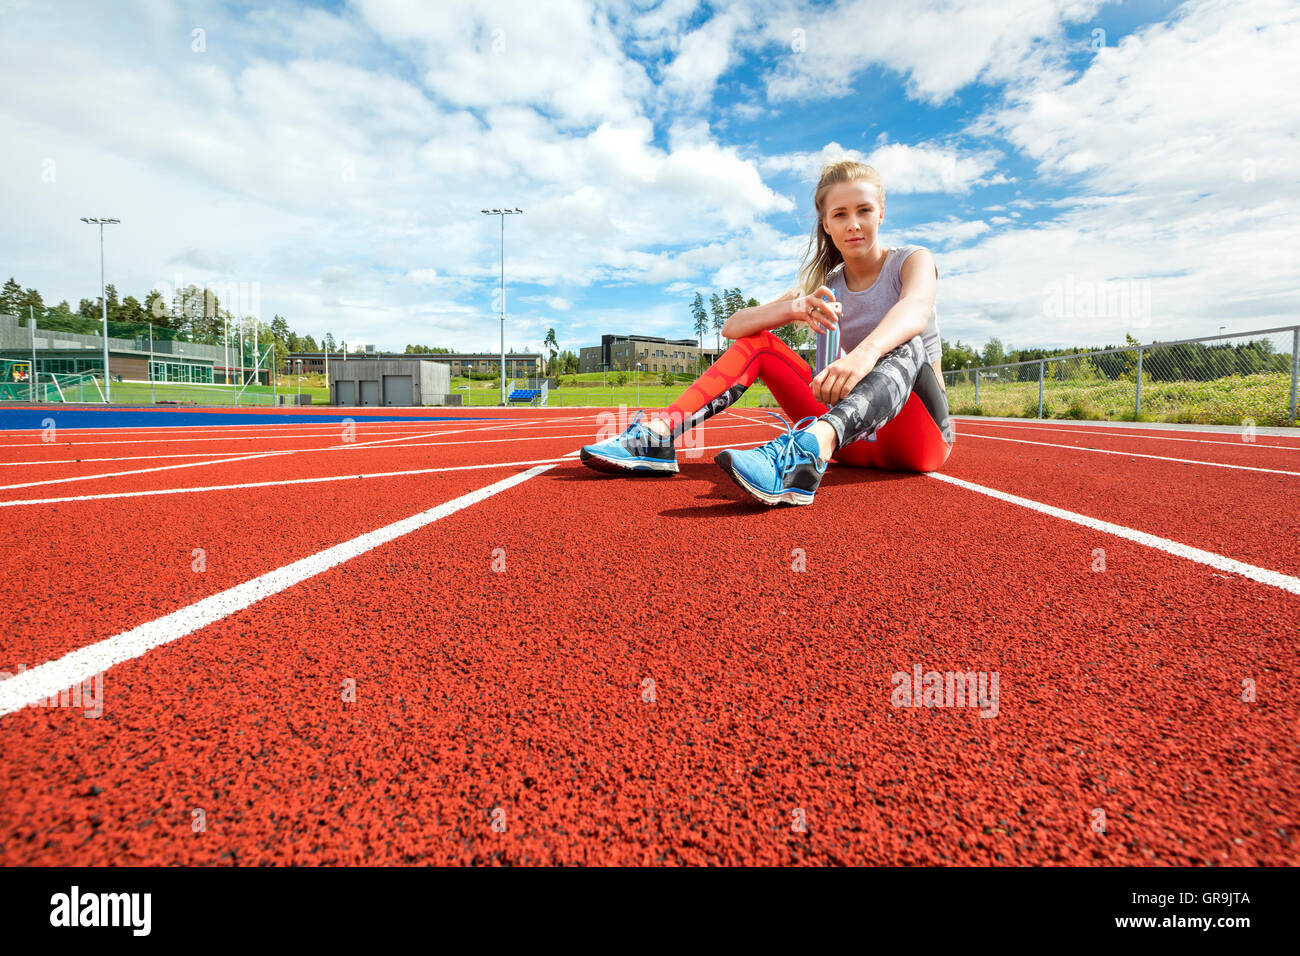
point(700, 318)
point(794, 335)
point(735, 301)
point(666, 378)
point(132, 311)
point(155, 308)
point(716, 308)
point(32, 301)
point(957, 356)
point(308, 344)
point(553, 345)
point(10, 297)
point(279, 333)
point(329, 342)
point(993, 354)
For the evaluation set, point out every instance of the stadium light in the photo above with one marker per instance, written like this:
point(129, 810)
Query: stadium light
point(503, 213)
point(103, 297)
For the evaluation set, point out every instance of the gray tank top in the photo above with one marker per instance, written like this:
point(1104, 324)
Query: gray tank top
point(865, 310)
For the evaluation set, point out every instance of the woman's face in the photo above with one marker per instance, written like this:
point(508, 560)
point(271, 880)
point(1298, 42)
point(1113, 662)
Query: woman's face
point(854, 212)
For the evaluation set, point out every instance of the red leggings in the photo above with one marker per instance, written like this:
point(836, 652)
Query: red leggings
point(910, 441)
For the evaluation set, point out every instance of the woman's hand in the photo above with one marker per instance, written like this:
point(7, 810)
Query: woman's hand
point(815, 312)
point(836, 380)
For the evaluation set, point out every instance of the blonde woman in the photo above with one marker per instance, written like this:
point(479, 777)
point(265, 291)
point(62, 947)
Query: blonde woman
point(878, 403)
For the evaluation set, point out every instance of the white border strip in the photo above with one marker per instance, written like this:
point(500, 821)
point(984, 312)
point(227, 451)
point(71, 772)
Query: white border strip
point(1130, 454)
point(47, 680)
point(1262, 575)
point(1087, 433)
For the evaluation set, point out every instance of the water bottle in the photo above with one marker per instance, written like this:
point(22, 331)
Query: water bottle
point(833, 336)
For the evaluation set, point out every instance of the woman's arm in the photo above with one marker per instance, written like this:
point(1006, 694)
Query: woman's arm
point(814, 311)
point(758, 318)
point(911, 314)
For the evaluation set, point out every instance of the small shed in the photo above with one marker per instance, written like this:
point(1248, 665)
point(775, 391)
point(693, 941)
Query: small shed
point(363, 381)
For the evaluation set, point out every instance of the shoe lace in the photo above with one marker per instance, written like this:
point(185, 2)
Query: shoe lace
point(638, 434)
point(783, 450)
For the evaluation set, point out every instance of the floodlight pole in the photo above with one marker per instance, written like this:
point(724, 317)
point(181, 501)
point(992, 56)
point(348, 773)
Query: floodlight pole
point(503, 213)
point(31, 331)
point(103, 297)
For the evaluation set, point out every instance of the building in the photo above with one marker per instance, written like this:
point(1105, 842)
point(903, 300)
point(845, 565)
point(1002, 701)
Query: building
point(518, 364)
point(389, 382)
point(138, 359)
point(653, 354)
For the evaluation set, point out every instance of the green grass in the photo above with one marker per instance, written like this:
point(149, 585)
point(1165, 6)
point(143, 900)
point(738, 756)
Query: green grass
point(1264, 397)
point(592, 394)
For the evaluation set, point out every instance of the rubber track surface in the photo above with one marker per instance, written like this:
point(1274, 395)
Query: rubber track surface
point(644, 677)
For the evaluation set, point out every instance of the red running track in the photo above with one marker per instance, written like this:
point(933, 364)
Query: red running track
point(526, 690)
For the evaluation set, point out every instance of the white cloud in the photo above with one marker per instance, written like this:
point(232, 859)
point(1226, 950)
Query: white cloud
point(923, 168)
point(951, 230)
point(939, 47)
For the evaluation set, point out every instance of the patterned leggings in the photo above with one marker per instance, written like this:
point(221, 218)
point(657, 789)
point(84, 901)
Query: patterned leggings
point(896, 418)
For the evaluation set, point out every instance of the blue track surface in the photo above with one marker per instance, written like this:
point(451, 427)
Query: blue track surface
point(125, 417)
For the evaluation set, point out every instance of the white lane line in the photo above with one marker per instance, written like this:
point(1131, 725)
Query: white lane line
point(223, 461)
point(312, 481)
point(196, 464)
point(1263, 575)
point(223, 432)
point(362, 428)
point(284, 429)
point(1088, 433)
point(1130, 454)
point(409, 439)
point(137, 471)
point(47, 680)
point(84, 461)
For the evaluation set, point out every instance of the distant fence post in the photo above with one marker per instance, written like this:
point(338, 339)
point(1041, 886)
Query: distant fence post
point(1137, 403)
point(977, 386)
point(1041, 367)
point(1295, 367)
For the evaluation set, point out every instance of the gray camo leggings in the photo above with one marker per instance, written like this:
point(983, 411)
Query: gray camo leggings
point(881, 394)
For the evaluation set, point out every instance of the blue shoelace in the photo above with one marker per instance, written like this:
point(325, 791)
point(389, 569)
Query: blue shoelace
point(782, 450)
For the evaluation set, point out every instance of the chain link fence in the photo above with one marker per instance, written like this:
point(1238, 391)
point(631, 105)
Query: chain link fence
point(1214, 380)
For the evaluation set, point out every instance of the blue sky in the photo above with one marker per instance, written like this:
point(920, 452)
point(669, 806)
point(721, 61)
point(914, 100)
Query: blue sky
point(1081, 170)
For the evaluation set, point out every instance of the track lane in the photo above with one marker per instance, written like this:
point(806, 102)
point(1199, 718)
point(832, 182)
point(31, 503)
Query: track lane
point(1249, 516)
point(1242, 453)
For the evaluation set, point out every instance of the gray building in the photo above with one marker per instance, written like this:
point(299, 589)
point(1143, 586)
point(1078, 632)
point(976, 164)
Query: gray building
point(133, 359)
point(653, 354)
point(518, 364)
point(389, 382)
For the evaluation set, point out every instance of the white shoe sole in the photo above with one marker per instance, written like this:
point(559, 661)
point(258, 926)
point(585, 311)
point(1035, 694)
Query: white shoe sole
point(601, 463)
point(789, 497)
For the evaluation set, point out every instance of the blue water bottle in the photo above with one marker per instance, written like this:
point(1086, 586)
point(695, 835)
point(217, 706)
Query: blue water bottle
point(832, 339)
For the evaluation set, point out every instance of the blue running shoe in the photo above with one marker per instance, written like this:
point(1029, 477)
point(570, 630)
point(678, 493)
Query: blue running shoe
point(636, 450)
point(785, 470)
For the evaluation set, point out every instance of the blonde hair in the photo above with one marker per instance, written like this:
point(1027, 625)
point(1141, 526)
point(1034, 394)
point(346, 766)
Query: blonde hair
point(822, 257)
